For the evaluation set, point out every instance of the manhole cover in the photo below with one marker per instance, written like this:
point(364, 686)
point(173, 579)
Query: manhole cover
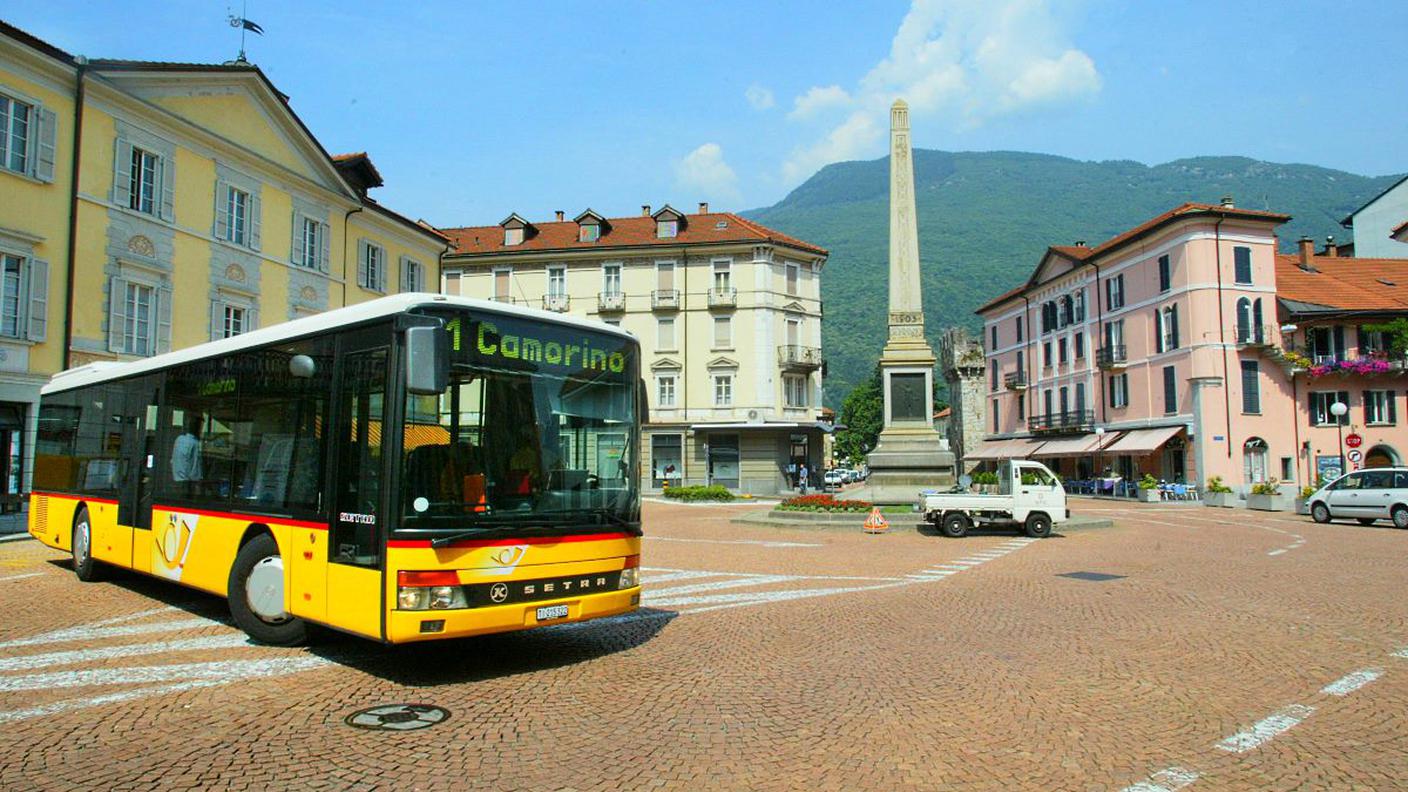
point(1097, 577)
point(398, 717)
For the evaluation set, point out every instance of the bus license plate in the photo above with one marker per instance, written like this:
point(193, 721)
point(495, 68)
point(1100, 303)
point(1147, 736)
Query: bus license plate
point(552, 612)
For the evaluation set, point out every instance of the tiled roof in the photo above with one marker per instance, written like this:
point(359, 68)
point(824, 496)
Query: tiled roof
point(637, 231)
point(1350, 284)
point(1077, 252)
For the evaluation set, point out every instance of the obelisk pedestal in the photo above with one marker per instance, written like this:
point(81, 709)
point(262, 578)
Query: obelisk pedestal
point(910, 455)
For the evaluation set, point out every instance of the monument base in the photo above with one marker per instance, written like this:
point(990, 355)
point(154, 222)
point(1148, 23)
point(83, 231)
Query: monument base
point(906, 461)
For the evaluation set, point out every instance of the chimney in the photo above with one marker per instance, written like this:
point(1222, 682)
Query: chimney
point(1227, 202)
point(645, 210)
point(1080, 243)
point(703, 207)
point(1330, 249)
point(1307, 252)
point(559, 215)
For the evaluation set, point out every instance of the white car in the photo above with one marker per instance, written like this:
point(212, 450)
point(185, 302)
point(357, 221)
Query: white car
point(1365, 495)
point(834, 478)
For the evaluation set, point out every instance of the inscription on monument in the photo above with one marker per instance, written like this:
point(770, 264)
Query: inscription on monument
point(909, 399)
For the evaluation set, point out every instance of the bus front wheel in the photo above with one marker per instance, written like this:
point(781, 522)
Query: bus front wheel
point(257, 595)
point(84, 566)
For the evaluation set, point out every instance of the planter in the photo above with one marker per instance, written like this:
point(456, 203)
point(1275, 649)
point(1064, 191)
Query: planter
point(1277, 502)
point(1150, 495)
point(1226, 500)
point(1302, 506)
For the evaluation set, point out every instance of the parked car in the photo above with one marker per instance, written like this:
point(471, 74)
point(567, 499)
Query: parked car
point(852, 476)
point(834, 477)
point(1029, 498)
point(1365, 495)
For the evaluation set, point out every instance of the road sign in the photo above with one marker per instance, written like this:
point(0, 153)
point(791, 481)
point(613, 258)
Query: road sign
point(1355, 455)
point(1353, 440)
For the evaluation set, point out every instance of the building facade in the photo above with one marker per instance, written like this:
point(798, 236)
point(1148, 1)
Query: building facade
point(1381, 226)
point(1187, 347)
point(728, 314)
point(146, 207)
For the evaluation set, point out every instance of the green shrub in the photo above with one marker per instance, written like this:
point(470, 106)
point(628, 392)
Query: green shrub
point(1306, 492)
point(1148, 482)
point(699, 492)
point(1268, 487)
point(1215, 485)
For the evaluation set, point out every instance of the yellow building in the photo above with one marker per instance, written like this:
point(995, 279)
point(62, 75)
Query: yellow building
point(150, 206)
point(728, 313)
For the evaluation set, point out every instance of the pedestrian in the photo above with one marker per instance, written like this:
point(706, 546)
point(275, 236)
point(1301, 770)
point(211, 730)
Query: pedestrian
point(802, 477)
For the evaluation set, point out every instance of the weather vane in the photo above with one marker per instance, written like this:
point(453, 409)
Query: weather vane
point(244, 24)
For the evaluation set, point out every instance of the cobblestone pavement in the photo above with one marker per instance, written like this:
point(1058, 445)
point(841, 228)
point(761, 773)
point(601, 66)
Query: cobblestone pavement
point(770, 658)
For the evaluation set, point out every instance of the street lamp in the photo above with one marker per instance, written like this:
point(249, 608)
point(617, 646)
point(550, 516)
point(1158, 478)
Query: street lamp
point(1338, 409)
point(1098, 473)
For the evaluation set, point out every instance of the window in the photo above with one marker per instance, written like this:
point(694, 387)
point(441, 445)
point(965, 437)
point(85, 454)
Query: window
point(996, 421)
point(16, 119)
point(1165, 274)
point(795, 390)
point(1327, 344)
point(666, 459)
point(11, 268)
point(793, 276)
point(371, 266)
point(1068, 310)
point(557, 282)
point(137, 333)
point(452, 283)
point(589, 232)
point(1048, 317)
point(1080, 305)
point(1119, 390)
point(311, 244)
point(1080, 399)
point(412, 275)
point(1021, 406)
point(1244, 321)
point(723, 276)
point(1046, 403)
point(1114, 293)
point(1079, 344)
point(234, 321)
point(723, 332)
point(665, 333)
point(992, 374)
point(723, 390)
point(513, 236)
point(1251, 386)
point(665, 391)
point(24, 297)
point(1380, 407)
point(611, 279)
point(1372, 342)
point(1065, 400)
point(1170, 390)
point(236, 216)
point(1061, 348)
point(667, 229)
point(1242, 265)
point(1320, 402)
point(1046, 354)
point(994, 336)
point(1166, 330)
point(501, 285)
point(1254, 460)
point(665, 275)
point(1114, 337)
point(1288, 469)
point(142, 186)
point(1019, 329)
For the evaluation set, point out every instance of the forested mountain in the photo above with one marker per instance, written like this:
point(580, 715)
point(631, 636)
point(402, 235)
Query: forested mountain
point(986, 217)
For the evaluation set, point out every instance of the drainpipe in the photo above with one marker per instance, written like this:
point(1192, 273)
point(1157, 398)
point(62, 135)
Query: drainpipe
point(1100, 334)
point(71, 265)
point(345, 235)
point(1026, 348)
point(1222, 336)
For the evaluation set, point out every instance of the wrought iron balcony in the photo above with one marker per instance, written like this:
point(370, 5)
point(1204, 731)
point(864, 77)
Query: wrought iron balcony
point(1255, 335)
point(1068, 422)
point(665, 299)
point(1016, 380)
point(1111, 357)
point(610, 302)
point(799, 358)
point(556, 302)
point(725, 297)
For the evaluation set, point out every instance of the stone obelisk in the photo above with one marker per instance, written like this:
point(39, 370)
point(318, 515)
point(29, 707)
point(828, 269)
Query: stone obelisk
point(910, 455)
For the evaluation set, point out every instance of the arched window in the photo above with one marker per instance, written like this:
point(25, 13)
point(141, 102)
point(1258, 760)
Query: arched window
point(1254, 460)
point(1068, 310)
point(1258, 331)
point(1244, 320)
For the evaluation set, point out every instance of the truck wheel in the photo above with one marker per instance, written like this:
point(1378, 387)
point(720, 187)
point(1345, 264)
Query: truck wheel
point(256, 592)
point(1038, 526)
point(956, 525)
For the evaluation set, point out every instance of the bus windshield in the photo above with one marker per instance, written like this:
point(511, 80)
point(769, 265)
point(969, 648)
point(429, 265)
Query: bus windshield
point(537, 426)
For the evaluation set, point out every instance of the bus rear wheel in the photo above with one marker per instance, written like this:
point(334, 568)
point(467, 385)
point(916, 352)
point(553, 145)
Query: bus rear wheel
point(256, 594)
point(84, 565)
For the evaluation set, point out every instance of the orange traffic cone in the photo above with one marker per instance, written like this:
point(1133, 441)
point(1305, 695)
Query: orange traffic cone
point(876, 523)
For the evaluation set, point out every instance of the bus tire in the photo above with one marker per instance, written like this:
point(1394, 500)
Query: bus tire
point(956, 525)
point(84, 565)
point(257, 595)
point(1038, 525)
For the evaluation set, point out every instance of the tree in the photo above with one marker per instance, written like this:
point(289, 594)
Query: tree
point(1395, 336)
point(863, 414)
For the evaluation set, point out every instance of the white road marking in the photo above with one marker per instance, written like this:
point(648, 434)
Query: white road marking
point(21, 577)
point(1276, 552)
point(653, 578)
point(125, 650)
point(1401, 653)
point(1170, 780)
point(652, 595)
point(783, 596)
point(90, 633)
point(220, 670)
point(758, 542)
point(112, 698)
point(1265, 729)
point(1351, 682)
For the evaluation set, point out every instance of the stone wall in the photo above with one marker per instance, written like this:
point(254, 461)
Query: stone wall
point(961, 360)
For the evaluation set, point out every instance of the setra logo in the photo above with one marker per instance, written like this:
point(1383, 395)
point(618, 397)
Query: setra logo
point(498, 592)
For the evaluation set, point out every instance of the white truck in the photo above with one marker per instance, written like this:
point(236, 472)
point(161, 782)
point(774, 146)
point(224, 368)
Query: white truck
point(1029, 497)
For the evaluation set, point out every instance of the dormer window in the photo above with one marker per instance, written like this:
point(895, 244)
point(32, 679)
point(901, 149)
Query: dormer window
point(513, 236)
point(667, 229)
point(516, 230)
point(588, 232)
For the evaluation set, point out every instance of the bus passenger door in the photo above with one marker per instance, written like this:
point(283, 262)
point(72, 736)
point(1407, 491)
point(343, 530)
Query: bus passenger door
point(356, 530)
point(134, 505)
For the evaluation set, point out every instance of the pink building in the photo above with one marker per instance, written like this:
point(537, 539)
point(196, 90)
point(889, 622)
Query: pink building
point(1187, 347)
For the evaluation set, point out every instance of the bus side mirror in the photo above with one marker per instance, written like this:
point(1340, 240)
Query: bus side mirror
point(427, 361)
point(643, 398)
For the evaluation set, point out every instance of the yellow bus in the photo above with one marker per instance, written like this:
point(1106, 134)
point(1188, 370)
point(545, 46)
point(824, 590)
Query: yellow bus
point(411, 468)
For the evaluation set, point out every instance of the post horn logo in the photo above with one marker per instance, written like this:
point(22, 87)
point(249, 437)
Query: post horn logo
point(510, 556)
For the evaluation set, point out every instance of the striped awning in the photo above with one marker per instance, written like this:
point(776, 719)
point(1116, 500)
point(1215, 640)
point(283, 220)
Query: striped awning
point(1012, 448)
point(1143, 441)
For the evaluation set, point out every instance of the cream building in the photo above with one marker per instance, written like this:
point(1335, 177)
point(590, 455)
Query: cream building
point(728, 314)
point(150, 206)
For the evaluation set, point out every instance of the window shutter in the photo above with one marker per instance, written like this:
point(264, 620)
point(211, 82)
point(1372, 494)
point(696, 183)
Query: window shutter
point(254, 220)
point(362, 263)
point(405, 274)
point(217, 320)
point(168, 189)
point(163, 320)
point(1158, 331)
point(122, 174)
point(251, 319)
point(1174, 318)
point(222, 210)
point(48, 128)
point(38, 299)
point(1111, 390)
point(324, 232)
point(296, 248)
point(117, 313)
point(1392, 397)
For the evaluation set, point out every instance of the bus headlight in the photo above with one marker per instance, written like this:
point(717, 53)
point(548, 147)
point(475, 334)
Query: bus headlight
point(630, 576)
point(429, 591)
point(413, 598)
point(442, 597)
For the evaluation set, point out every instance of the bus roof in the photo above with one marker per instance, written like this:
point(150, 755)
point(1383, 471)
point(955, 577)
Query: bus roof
point(102, 371)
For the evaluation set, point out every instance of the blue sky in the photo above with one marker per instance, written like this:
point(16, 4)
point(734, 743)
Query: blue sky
point(472, 110)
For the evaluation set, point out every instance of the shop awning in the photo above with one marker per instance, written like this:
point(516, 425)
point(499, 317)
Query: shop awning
point(1142, 441)
point(1012, 448)
point(1070, 446)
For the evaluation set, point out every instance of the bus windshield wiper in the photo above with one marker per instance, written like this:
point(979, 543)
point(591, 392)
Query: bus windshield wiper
point(442, 541)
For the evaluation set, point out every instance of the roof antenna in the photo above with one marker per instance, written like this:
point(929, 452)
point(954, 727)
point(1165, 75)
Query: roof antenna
point(245, 25)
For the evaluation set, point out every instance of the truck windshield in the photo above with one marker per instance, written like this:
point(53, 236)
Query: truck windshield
point(536, 428)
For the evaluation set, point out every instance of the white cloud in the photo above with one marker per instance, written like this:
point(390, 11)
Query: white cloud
point(759, 97)
point(818, 100)
point(704, 171)
point(963, 62)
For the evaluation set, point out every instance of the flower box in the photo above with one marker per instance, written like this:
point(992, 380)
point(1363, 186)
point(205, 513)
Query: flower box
point(1224, 499)
point(1150, 495)
point(1277, 502)
point(1302, 505)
